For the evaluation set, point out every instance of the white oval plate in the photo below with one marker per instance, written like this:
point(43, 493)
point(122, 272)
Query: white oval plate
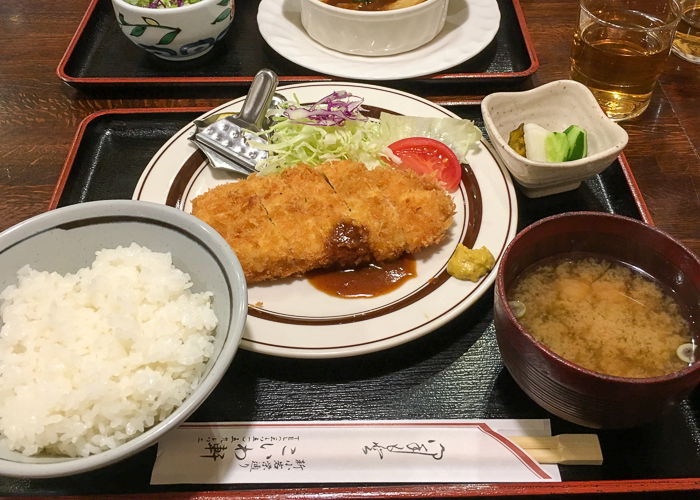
point(291, 318)
point(471, 25)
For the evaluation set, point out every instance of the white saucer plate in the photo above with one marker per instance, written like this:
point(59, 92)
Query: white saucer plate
point(470, 26)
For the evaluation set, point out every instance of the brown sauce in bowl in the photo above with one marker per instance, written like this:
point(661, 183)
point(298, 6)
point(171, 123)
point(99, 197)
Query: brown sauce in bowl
point(365, 281)
point(372, 4)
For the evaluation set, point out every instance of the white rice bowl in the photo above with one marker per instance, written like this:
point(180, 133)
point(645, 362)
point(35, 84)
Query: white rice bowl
point(91, 359)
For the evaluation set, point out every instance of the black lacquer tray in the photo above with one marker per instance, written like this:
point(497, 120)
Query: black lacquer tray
point(100, 56)
point(452, 373)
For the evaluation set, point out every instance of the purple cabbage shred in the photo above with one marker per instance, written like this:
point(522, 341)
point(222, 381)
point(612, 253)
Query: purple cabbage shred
point(334, 109)
point(154, 4)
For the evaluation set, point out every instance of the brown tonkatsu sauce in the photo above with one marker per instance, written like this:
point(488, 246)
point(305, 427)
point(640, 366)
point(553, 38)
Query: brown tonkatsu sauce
point(348, 244)
point(365, 281)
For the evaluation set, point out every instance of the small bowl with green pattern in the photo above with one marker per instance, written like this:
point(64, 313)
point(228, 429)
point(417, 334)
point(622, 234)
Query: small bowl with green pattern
point(175, 30)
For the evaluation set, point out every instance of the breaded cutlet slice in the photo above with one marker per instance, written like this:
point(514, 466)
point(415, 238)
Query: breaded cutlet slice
point(302, 206)
point(289, 223)
point(424, 208)
point(369, 208)
point(234, 210)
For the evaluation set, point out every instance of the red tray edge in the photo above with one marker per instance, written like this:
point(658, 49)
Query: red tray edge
point(428, 491)
point(73, 80)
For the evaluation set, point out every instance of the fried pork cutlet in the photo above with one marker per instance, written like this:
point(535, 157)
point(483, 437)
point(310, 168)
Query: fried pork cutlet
point(369, 208)
point(236, 212)
point(337, 214)
point(301, 206)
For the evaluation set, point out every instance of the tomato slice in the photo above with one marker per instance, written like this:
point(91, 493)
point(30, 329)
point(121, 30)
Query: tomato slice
point(428, 156)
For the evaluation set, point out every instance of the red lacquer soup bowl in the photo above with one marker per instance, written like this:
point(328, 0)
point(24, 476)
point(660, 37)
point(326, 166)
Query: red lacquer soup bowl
point(563, 388)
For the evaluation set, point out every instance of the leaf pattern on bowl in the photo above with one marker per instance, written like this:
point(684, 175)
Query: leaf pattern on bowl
point(138, 29)
point(223, 16)
point(148, 22)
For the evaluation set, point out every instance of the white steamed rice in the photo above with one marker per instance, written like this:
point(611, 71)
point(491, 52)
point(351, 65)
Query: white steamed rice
point(92, 359)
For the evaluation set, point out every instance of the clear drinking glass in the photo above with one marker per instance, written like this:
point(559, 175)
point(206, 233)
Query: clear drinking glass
point(686, 44)
point(619, 50)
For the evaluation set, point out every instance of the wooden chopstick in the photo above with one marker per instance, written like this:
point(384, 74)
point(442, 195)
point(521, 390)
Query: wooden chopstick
point(564, 449)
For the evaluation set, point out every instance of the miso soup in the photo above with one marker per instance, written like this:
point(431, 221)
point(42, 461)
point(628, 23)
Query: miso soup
point(602, 315)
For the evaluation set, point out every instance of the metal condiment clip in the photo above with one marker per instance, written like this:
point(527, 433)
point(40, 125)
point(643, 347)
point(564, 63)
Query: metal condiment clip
point(226, 141)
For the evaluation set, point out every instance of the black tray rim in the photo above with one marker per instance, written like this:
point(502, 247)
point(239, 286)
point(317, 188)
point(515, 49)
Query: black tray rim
point(76, 81)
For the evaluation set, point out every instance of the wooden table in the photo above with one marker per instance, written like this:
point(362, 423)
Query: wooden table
point(39, 113)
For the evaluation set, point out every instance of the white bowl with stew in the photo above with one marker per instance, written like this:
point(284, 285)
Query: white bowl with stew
point(381, 28)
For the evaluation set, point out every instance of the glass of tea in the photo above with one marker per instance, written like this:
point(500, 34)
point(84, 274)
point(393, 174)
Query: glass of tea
point(619, 50)
point(687, 41)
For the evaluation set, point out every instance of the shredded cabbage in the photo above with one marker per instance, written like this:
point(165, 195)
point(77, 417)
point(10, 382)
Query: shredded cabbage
point(292, 143)
point(334, 129)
